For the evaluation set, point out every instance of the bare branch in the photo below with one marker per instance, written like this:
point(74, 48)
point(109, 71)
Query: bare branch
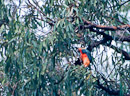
point(108, 28)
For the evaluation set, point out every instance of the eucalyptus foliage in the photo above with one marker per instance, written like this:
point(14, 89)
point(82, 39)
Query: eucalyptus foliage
point(38, 40)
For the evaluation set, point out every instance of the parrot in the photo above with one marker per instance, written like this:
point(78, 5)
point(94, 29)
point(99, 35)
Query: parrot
point(85, 56)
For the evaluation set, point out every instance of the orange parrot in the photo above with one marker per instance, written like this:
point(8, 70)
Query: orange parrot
point(85, 56)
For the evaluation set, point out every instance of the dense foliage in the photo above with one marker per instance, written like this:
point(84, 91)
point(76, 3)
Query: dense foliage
point(38, 47)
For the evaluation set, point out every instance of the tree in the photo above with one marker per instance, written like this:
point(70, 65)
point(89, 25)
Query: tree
point(44, 65)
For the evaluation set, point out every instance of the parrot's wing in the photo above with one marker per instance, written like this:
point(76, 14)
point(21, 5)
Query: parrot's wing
point(88, 54)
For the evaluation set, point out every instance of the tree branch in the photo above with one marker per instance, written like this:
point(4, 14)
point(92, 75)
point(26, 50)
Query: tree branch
point(95, 44)
point(108, 38)
point(127, 56)
point(50, 23)
point(121, 38)
point(107, 28)
point(107, 89)
point(118, 37)
point(125, 38)
point(104, 41)
point(125, 2)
